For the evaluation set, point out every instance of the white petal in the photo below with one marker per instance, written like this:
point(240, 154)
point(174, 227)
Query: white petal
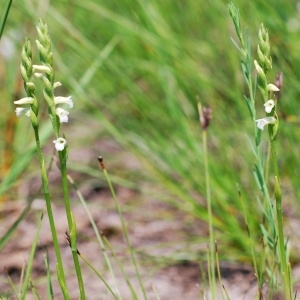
point(26, 100)
point(63, 100)
point(269, 105)
point(22, 111)
point(62, 114)
point(60, 144)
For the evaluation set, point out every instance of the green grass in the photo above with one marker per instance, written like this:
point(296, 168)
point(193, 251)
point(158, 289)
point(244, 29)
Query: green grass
point(140, 67)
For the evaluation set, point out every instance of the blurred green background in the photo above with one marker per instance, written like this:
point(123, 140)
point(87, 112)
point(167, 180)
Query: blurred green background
point(137, 69)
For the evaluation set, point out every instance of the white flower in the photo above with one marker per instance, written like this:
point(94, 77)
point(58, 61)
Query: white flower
point(60, 144)
point(63, 100)
point(269, 105)
point(22, 111)
point(272, 88)
point(26, 100)
point(41, 68)
point(265, 121)
point(62, 114)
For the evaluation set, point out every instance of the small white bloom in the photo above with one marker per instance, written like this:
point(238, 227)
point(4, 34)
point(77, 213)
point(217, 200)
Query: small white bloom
point(272, 88)
point(60, 144)
point(265, 121)
point(269, 105)
point(62, 114)
point(56, 84)
point(22, 111)
point(63, 100)
point(26, 100)
point(41, 68)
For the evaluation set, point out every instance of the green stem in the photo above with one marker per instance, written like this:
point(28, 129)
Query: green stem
point(63, 170)
point(124, 230)
point(99, 237)
point(212, 276)
point(282, 251)
point(49, 211)
point(4, 16)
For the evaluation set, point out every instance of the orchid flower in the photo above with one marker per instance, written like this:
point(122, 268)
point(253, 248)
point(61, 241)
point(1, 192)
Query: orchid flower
point(60, 144)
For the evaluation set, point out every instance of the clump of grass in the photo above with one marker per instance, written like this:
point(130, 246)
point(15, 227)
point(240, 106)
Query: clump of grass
point(164, 60)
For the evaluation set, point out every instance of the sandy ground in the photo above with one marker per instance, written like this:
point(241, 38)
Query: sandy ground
point(168, 243)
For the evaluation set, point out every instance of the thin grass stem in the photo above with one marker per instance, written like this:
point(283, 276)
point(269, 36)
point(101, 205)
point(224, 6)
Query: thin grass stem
point(98, 235)
point(100, 276)
point(123, 227)
point(133, 293)
point(30, 260)
point(49, 283)
point(50, 212)
point(282, 250)
point(71, 223)
point(204, 121)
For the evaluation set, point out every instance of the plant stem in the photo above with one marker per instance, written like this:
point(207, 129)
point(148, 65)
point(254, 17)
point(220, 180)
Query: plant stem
point(63, 170)
point(49, 211)
point(212, 276)
point(123, 227)
point(99, 237)
point(282, 251)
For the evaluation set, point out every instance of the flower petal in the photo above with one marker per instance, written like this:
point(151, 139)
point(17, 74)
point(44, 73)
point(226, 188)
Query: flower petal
point(265, 121)
point(22, 111)
point(63, 100)
point(26, 100)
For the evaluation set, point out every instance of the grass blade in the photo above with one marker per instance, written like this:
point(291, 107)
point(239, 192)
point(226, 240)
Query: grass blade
point(4, 16)
point(30, 260)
